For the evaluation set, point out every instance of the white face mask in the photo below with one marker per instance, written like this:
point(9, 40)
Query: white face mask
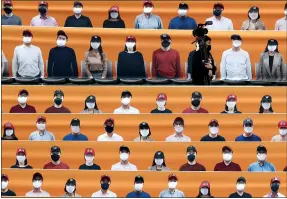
point(95, 45)
point(4, 184)
point(90, 105)
point(147, 9)
point(89, 159)
point(237, 43)
point(158, 161)
point(204, 191)
point(61, 43)
point(230, 105)
point(20, 158)
point(227, 157)
point(22, 100)
point(253, 16)
point(41, 127)
point(281, 131)
point(75, 129)
point(178, 129)
point(266, 106)
point(261, 156)
point(70, 189)
point(160, 104)
point(285, 12)
point(37, 184)
point(240, 187)
point(124, 156)
point(126, 100)
point(213, 130)
point(272, 48)
point(144, 132)
point(248, 129)
point(114, 15)
point(182, 12)
point(9, 132)
point(77, 10)
point(27, 40)
point(130, 45)
point(138, 186)
point(172, 185)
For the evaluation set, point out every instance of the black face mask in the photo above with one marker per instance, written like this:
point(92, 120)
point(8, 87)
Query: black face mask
point(275, 187)
point(58, 101)
point(109, 129)
point(195, 102)
point(191, 157)
point(55, 157)
point(105, 186)
point(7, 10)
point(217, 12)
point(165, 43)
point(208, 48)
point(42, 10)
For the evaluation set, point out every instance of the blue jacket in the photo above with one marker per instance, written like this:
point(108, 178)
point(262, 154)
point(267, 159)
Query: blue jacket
point(186, 23)
point(134, 194)
point(72, 137)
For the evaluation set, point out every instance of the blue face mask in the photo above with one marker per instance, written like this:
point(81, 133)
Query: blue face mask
point(105, 186)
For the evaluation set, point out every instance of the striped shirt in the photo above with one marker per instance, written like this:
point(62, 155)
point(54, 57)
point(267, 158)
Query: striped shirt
point(257, 167)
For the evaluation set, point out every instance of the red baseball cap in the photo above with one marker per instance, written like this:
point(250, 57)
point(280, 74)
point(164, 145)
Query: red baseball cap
point(109, 120)
point(105, 177)
point(282, 124)
point(275, 179)
point(43, 3)
point(41, 118)
point(172, 176)
point(161, 96)
point(7, 2)
point(89, 151)
point(131, 38)
point(148, 2)
point(231, 96)
point(204, 184)
point(21, 150)
point(4, 176)
point(8, 125)
point(114, 9)
point(220, 5)
point(27, 32)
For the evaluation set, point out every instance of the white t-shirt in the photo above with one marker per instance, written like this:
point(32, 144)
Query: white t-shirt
point(41, 194)
point(105, 137)
point(120, 167)
point(99, 194)
point(222, 24)
point(131, 110)
point(172, 138)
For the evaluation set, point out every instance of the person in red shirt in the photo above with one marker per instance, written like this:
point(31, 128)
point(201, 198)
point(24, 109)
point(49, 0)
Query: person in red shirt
point(58, 104)
point(227, 164)
point(56, 163)
point(166, 61)
point(191, 164)
point(22, 106)
point(196, 99)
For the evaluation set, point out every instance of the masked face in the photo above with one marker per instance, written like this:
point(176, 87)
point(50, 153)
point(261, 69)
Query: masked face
point(42, 10)
point(272, 48)
point(130, 45)
point(105, 185)
point(144, 132)
point(109, 129)
point(165, 43)
point(55, 157)
point(89, 159)
point(275, 187)
point(75, 129)
point(158, 162)
point(124, 156)
point(95, 45)
point(266, 106)
point(236, 43)
point(161, 104)
point(9, 132)
point(191, 157)
point(182, 12)
point(58, 100)
point(253, 15)
point(70, 188)
point(172, 185)
point(204, 191)
point(90, 105)
point(77, 10)
point(114, 15)
point(126, 100)
point(148, 10)
point(138, 186)
point(261, 156)
point(41, 126)
point(22, 100)
point(240, 186)
point(61, 43)
point(248, 129)
point(8, 10)
point(21, 158)
point(231, 104)
point(4, 184)
point(217, 12)
point(282, 132)
point(37, 184)
point(178, 128)
point(27, 40)
point(195, 102)
point(213, 130)
point(227, 156)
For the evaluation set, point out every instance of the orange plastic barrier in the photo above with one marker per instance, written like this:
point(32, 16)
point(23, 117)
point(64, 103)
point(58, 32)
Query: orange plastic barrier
point(88, 182)
point(237, 11)
point(144, 97)
point(196, 126)
point(147, 41)
point(107, 153)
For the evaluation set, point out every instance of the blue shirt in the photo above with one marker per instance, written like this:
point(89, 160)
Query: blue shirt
point(265, 167)
point(182, 23)
point(73, 137)
point(134, 194)
point(252, 138)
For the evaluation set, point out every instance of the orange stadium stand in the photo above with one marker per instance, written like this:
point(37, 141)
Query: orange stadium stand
point(88, 182)
point(237, 11)
point(107, 153)
point(196, 126)
point(144, 97)
point(147, 41)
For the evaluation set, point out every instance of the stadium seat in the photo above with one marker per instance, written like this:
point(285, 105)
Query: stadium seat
point(28, 80)
point(55, 80)
point(230, 82)
point(7, 80)
point(132, 81)
point(81, 80)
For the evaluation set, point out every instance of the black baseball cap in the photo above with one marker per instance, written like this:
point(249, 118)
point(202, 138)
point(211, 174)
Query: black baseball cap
point(248, 121)
point(78, 3)
point(266, 98)
point(236, 37)
point(159, 155)
point(58, 92)
point(37, 175)
point(124, 148)
point(139, 179)
point(165, 37)
point(191, 148)
point(241, 179)
point(196, 95)
point(144, 125)
point(91, 99)
point(254, 9)
point(96, 38)
point(261, 148)
point(55, 149)
point(62, 33)
point(75, 122)
point(183, 6)
point(71, 181)
point(272, 42)
point(226, 148)
point(126, 93)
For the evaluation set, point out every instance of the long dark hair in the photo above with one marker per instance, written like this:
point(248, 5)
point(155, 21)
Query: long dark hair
point(200, 194)
point(25, 162)
point(100, 49)
point(147, 135)
point(153, 161)
point(235, 108)
point(119, 16)
point(261, 109)
point(134, 49)
point(266, 48)
point(13, 135)
point(95, 107)
point(66, 190)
